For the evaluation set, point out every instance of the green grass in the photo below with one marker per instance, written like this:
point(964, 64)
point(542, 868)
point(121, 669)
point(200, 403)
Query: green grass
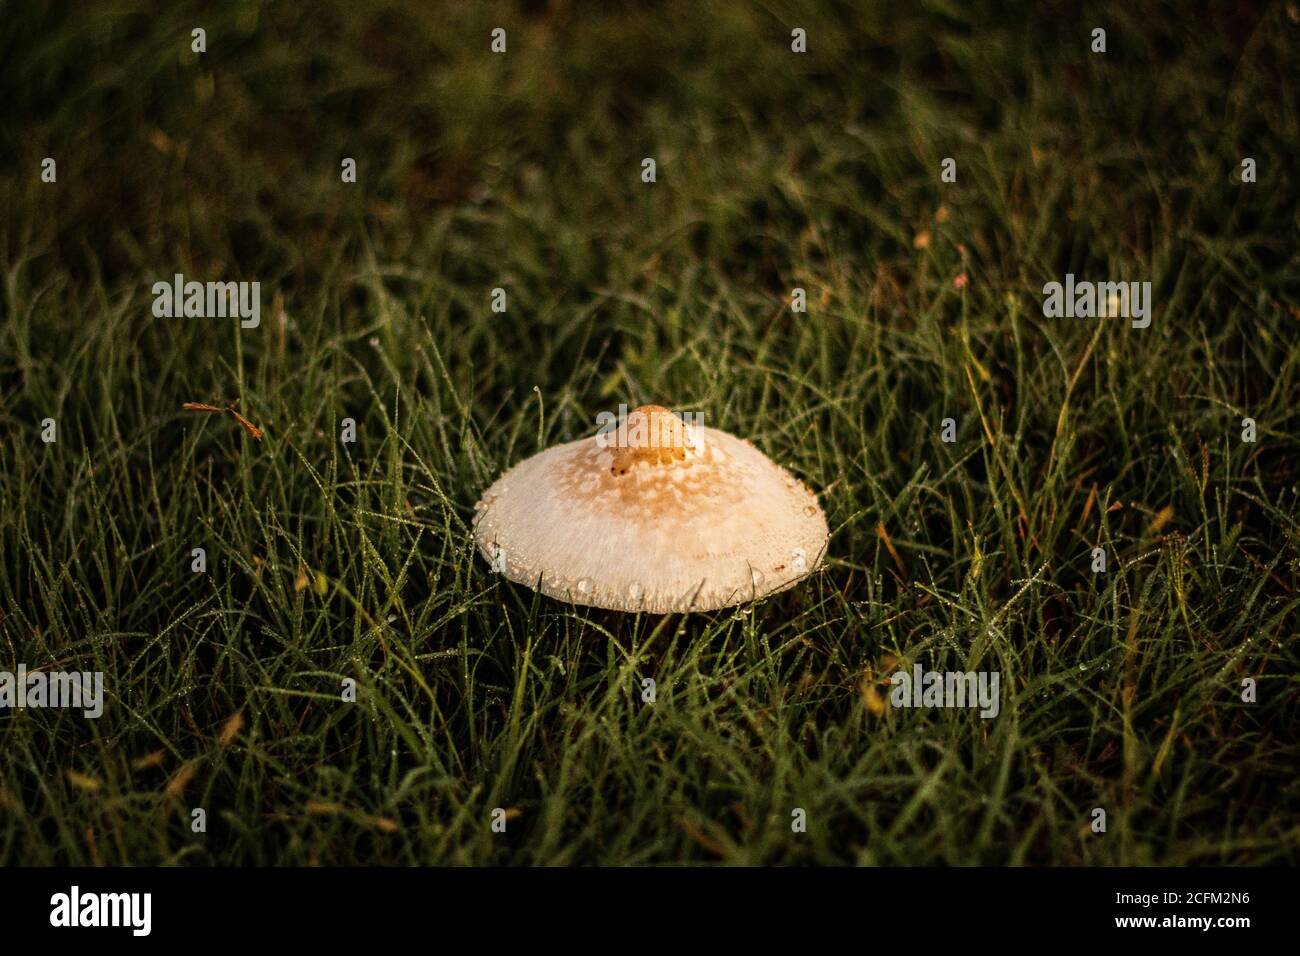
point(1120, 690)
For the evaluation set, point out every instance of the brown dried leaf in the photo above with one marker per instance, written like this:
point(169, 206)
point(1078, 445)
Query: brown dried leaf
point(83, 781)
point(176, 786)
point(148, 760)
point(230, 729)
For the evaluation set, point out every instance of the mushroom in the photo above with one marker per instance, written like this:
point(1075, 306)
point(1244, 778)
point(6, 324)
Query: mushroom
point(659, 515)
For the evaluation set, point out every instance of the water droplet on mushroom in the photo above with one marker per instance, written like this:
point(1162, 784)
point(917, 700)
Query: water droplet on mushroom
point(634, 591)
point(584, 586)
point(810, 511)
point(756, 576)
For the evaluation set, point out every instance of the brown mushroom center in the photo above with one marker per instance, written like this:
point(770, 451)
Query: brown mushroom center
point(654, 435)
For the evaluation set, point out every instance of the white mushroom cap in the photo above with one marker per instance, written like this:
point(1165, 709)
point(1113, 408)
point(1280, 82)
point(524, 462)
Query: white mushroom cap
point(660, 516)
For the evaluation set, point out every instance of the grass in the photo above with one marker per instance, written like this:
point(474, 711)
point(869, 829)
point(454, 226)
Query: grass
point(1121, 690)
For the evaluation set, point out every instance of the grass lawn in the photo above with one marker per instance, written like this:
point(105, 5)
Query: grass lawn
point(330, 561)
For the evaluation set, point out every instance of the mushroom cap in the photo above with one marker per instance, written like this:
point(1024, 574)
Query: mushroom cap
point(659, 516)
